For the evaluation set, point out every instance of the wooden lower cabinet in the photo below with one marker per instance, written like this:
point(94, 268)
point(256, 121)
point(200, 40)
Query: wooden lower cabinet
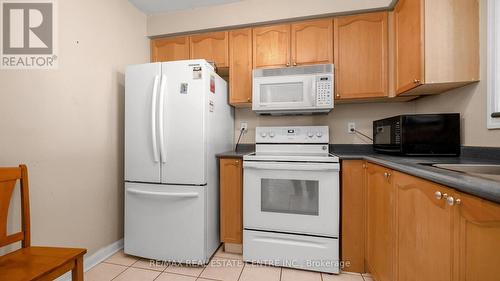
point(231, 200)
point(477, 239)
point(413, 234)
point(353, 215)
point(380, 228)
point(424, 230)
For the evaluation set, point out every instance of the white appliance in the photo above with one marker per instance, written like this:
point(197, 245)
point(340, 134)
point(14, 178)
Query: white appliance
point(291, 199)
point(176, 120)
point(293, 90)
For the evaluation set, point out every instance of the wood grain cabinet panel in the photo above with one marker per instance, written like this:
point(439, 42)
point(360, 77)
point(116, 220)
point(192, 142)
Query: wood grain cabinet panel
point(212, 46)
point(231, 200)
point(169, 49)
point(240, 66)
point(477, 232)
point(361, 56)
point(380, 223)
point(312, 42)
point(436, 45)
point(408, 28)
point(424, 230)
point(271, 46)
point(353, 215)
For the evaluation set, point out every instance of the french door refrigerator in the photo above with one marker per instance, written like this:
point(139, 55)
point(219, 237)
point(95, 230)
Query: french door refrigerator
point(176, 119)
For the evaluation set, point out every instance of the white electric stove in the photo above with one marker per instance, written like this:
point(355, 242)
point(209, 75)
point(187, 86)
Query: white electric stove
point(291, 199)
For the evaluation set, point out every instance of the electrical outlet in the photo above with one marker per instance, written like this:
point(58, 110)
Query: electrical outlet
point(244, 126)
point(351, 127)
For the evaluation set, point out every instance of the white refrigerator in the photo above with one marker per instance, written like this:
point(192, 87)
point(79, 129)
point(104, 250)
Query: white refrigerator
point(177, 118)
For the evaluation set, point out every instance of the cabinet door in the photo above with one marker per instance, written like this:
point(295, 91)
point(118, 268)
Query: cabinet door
point(477, 232)
point(380, 227)
point(408, 28)
point(424, 230)
point(353, 214)
point(361, 56)
point(271, 46)
point(212, 46)
point(240, 66)
point(312, 42)
point(169, 49)
point(231, 201)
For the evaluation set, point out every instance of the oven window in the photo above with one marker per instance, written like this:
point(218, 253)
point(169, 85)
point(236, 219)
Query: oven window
point(290, 196)
point(281, 92)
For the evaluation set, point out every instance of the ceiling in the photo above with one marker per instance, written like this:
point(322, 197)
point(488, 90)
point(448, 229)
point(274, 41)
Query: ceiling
point(164, 6)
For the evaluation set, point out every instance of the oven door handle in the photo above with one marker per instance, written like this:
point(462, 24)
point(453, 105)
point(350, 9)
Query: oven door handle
point(292, 166)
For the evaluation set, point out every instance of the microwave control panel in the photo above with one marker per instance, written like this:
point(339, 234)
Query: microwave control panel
point(324, 90)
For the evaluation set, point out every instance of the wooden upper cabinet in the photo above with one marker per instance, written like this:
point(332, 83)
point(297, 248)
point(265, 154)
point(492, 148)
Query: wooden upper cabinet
point(408, 28)
point(271, 46)
point(312, 42)
point(424, 230)
point(240, 66)
point(231, 200)
point(169, 49)
point(436, 45)
point(380, 223)
point(212, 46)
point(361, 56)
point(477, 232)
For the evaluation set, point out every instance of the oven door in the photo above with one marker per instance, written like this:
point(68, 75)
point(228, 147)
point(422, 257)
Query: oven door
point(300, 198)
point(283, 93)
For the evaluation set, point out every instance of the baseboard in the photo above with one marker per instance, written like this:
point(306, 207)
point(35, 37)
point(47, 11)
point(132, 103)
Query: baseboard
point(96, 258)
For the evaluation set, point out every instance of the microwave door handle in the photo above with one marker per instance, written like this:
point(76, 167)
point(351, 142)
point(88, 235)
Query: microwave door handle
point(162, 118)
point(314, 91)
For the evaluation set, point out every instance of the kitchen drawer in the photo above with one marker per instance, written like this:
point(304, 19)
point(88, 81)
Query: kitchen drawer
point(289, 250)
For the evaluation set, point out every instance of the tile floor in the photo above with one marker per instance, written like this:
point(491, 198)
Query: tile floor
point(223, 267)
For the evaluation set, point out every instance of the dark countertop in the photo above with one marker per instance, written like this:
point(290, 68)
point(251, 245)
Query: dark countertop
point(419, 166)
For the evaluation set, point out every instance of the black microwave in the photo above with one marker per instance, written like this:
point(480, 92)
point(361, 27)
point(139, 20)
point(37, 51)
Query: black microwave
point(418, 134)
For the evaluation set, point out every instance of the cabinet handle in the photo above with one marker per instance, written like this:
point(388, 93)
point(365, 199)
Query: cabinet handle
point(452, 201)
point(248, 100)
point(236, 162)
point(294, 64)
point(287, 64)
point(416, 81)
point(438, 195)
point(338, 95)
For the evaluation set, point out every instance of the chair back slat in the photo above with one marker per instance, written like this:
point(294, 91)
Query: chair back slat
point(8, 180)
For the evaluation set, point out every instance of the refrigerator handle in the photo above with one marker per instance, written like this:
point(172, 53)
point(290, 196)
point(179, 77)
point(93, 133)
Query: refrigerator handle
point(153, 119)
point(162, 117)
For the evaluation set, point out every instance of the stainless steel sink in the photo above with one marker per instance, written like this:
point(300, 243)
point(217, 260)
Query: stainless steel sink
point(479, 170)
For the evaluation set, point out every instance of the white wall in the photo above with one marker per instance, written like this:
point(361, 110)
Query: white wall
point(252, 11)
point(67, 124)
point(361, 114)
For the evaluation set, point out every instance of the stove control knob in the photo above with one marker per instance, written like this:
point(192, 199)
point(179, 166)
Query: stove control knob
point(271, 134)
point(263, 134)
point(310, 134)
point(319, 134)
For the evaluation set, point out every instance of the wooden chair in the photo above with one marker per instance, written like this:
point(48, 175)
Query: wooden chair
point(31, 263)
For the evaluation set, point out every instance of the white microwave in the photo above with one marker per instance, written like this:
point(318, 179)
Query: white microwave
point(293, 90)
